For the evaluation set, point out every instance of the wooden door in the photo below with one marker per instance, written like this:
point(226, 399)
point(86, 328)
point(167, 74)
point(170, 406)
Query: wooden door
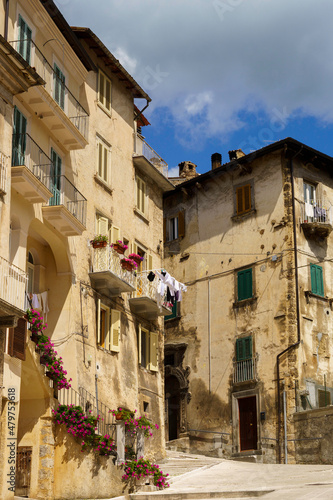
point(248, 423)
point(23, 471)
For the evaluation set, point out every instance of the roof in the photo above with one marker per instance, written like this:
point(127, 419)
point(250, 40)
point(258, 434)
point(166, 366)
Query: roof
point(67, 32)
point(294, 147)
point(95, 44)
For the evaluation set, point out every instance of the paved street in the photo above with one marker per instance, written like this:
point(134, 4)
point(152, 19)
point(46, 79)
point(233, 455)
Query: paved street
point(198, 477)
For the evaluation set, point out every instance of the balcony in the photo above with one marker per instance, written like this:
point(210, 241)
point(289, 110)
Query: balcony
point(108, 276)
point(3, 173)
point(53, 102)
point(66, 209)
point(316, 219)
point(150, 163)
point(146, 297)
point(13, 282)
point(31, 169)
point(244, 371)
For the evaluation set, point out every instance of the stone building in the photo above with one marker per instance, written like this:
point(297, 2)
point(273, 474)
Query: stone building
point(248, 352)
point(73, 166)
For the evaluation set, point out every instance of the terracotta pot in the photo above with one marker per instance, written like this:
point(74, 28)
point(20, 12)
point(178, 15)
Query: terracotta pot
point(99, 244)
point(50, 375)
point(118, 248)
point(137, 260)
point(119, 416)
point(34, 337)
point(127, 265)
point(43, 360)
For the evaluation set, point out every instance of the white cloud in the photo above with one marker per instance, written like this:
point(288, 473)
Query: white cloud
point(207, 68)
point(173, 172)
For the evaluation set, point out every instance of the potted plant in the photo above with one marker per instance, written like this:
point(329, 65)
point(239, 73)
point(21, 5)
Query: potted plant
point(122, 414)
point(137, 258)
point(119, 247)
point(128, 264)
point(35, 319)
point(99, 241)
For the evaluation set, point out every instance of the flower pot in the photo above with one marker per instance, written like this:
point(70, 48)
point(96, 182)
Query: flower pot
point(99, 244)
point(127, 265)
point(118, 248)
point(50, 375)
point(34, 337)
point(137, 260)
point(119, 416)
point(43, 360)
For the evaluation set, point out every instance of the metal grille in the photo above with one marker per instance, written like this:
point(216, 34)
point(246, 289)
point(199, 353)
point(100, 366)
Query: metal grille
point(244, 370)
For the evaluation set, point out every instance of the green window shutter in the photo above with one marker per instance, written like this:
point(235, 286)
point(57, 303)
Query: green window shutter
point(244, 349)
point(24, 43)
point(244, 284)
point(174, 312)
point(317, 281)
point(59, 86)
point(19, 138)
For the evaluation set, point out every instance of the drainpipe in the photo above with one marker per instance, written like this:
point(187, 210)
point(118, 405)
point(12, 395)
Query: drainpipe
point(285, 426)
point(297, 300)
point(139, 114)
point(6, 20)
point(209, 343)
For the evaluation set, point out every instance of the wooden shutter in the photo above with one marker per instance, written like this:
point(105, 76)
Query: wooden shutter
point(323, 399)
point(243, 199)
point(244, 349)
point(165, 235)
point(153, 355)
point(114, 234)
point(98, 321)
point(102, 225)
point(17, 340)
point(317, 282)
point(181, 224)
point(59, 86)
point(107, 94)
point(139, 344)
point(244, 284)
point(149, 262)
point(115, 330)
point(101, 88)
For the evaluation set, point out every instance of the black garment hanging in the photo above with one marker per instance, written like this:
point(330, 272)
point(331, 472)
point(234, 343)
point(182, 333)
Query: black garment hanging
point(151, 276)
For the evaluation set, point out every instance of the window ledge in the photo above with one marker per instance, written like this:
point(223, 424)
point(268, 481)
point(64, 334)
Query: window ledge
point(106, 111)
point(141, 215)
point(245, 302)
point(309, 294)
point(102, 183)
point(146, 370)
point(240, 217)
point(106, 350)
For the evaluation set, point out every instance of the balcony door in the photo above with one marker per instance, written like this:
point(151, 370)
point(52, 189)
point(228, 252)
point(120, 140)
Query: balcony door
point(309, 200)
point(59, 86)
point(55, 178)
point(19, 138)
point(24, 40)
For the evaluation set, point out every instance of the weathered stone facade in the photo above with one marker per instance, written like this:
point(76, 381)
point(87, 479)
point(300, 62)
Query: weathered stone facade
point(254, 304)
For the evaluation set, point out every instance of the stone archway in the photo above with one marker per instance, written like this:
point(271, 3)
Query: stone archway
point(177, 393)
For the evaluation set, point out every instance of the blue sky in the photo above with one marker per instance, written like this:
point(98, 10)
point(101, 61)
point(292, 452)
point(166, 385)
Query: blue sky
point(222, 74)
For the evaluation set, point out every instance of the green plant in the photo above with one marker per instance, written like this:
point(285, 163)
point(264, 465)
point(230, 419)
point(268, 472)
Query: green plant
point(135, 469)
point(99, 238)
point(36, 321)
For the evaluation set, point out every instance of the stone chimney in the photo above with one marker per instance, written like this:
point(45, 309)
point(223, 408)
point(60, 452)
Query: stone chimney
point(235, 154)
point(216, 160)
point(187, 170)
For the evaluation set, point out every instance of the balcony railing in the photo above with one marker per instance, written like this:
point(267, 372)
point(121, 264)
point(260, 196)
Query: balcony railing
point(3, 173)
point(107, 259)
point(13, 282)
point(66, 194)
point(316, 212)
point(142, 148)
point(54, 85)
point(146, 288)
point(27, 152)
point(244, 370)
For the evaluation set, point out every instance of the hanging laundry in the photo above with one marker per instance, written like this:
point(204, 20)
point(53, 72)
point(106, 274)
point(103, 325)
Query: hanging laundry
point(35, 302)
point(45, 305)
point(308, 210)
point(151, 276)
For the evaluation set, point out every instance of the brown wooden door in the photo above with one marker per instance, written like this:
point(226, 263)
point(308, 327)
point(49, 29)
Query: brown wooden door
point(23, 471)
point(248, 423)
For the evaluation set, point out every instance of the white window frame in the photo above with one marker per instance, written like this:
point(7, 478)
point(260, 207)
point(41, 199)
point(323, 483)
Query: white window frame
point(173, 228)
point(106, 152)
point(102, 99)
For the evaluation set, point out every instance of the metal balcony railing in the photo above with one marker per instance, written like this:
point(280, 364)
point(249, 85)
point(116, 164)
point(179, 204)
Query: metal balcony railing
point(66, 194)
point(53, 84)
point(13, 282)
point(244, 370)
point(146, 288)
point(317, 211)
point(107, 259)
point(26, 152)
point(142, 148)
point(3, 173)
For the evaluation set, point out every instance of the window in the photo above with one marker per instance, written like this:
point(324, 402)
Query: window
point(55, 185)
point(19, 138)
point(243, 199)
point(244, 284)
point(244, 349)
point(324, 398)
point(17, 340)
point(148, 349)
point(174, 313)
point(30, 272)
point(104, 91)
point(24, 40)
point(147, 263)
point(103, 161)
point(108, 327)
point(141, 196)
point(317, 282)
point(104, 226)
point(59, 86)
point(174, 227)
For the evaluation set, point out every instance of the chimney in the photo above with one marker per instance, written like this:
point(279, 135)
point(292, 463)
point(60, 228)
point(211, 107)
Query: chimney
point(216, 160)
point(187, 170)
point(235, 154)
